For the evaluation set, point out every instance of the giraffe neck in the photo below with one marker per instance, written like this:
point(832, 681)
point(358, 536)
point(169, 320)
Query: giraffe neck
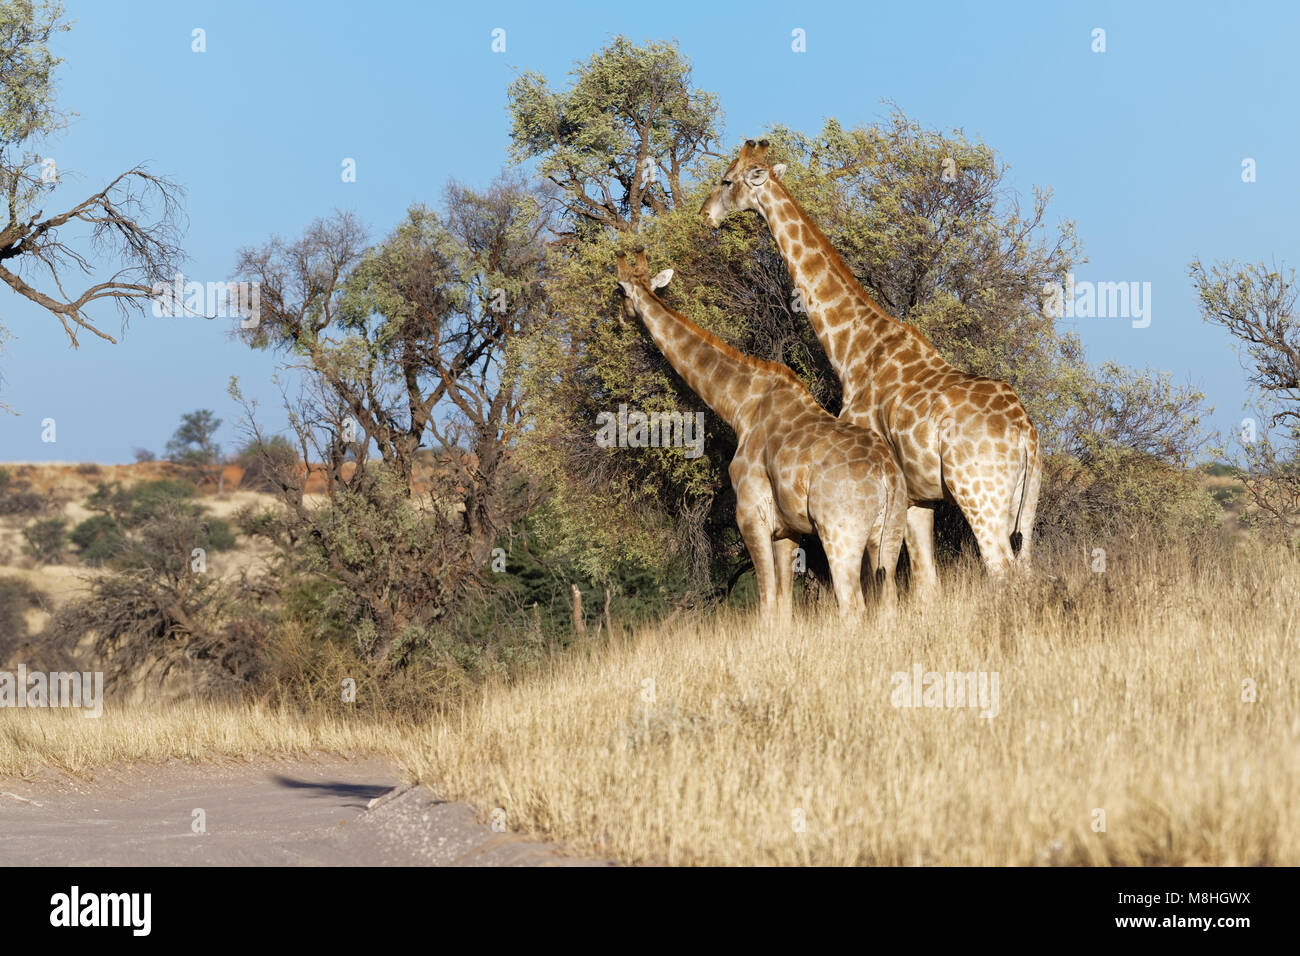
point(849, 323)
point(722, 376)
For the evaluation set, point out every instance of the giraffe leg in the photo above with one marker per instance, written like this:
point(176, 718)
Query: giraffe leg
point(919, 535)
point(756, 518)
point(783, 572)
point(844, 549)
point(988, 519)
point(758, 541)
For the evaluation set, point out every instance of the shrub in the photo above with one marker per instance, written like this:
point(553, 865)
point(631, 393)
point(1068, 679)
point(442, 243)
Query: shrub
point(265, 461)
point(151, 622)
point(16, 599)
point(259, 522)
point(46, 539)
point(218, 535)
point(17, 498)
point(100, 539)
point(133, 507)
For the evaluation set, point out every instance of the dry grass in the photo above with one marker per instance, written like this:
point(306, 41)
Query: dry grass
point(1120, 692)
point(65, 740)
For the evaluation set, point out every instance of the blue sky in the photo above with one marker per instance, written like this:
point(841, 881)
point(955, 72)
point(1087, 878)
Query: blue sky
point(1142, 144)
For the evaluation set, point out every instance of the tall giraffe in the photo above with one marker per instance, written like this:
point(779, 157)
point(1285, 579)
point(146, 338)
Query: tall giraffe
point(958, 437)
point(797, 470)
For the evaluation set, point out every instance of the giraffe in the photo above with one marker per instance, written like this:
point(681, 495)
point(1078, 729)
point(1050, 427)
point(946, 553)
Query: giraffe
point(958, 437)
point(797, 470)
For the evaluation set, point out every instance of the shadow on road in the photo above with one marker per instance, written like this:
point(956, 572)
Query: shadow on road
point(363, 792)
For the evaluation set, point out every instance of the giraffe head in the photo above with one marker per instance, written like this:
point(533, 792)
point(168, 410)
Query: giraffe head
point(638, 274)
point(741, 183)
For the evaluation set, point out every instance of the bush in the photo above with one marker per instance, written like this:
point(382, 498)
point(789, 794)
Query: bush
point(218, 535)
point(17, 498)
point(392, 569)
point(16, 599)
point(135, 506)
point(46, 539)
point(259, 522)
point(100, 538)
point(266, 461)
point(150, 623)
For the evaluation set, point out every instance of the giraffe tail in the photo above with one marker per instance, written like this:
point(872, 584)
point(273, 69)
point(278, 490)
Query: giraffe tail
point(879, 573)
point(1016, 537)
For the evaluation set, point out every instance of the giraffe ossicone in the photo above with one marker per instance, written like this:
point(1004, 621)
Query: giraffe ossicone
point(797, 469)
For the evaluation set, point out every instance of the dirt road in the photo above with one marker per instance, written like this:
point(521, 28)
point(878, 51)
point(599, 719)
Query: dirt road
point(320, 812)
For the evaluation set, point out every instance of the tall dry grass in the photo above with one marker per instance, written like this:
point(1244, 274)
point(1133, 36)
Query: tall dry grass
point(66, 740)
point(1123, 693)
point(717, 741)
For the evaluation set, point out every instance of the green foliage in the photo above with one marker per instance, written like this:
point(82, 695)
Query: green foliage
point(1227, 495)
point(17, 497)
point(218, 535)
point(152, 525)
point(1256, 304)
point(193, 442)
point(27, 70)
point(627, 104)
point(392, 569)
point(259, 522)
point(16, 599)
point(100, 539)
point(264, 460)
point(46, 539)
point(134, 506)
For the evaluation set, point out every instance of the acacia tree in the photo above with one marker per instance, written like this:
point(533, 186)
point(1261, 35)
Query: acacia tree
point(1256, 303)
point(194, 441)
point(620, 147)
point(927, 220)
point(132, 223)
point(622, 139)
point(442, 302)
point(411, 340)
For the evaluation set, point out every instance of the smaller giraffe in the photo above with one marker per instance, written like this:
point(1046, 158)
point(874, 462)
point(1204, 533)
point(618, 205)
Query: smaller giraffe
point(798, 470)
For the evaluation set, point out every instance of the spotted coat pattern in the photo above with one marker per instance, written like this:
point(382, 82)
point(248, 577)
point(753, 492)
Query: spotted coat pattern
point(958, 437)
point(797, 470)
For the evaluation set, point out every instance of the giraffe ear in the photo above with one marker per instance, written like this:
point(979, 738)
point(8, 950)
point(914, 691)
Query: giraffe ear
point(778, 170)
point(756, 176)
point(626, 287)
point(661, 280)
